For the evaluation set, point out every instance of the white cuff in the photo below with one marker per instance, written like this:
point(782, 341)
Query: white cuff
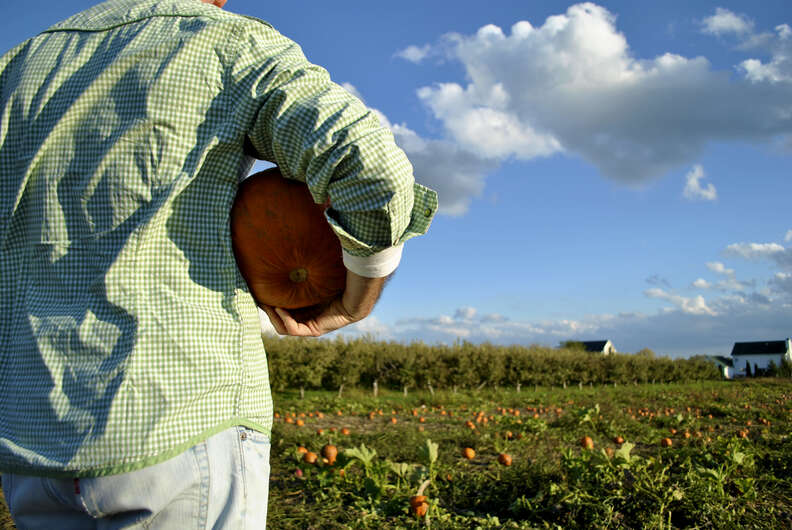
point(377, 265)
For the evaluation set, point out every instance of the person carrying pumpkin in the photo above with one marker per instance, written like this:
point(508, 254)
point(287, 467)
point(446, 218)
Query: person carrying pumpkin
point(133, 380)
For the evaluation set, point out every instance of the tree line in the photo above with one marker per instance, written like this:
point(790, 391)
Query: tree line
point(333, 364)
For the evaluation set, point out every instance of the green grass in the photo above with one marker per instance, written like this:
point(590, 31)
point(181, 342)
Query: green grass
point(715, 478)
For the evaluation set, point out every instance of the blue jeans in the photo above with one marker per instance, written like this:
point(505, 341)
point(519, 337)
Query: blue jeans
point(222, 482)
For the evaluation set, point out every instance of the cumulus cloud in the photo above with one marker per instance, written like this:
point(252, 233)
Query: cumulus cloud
point(777, 43)
point(779, 68)
point(686, 325)
point(758, 251)
point(489, 131)
point(730, 281)
point(457, 175)
point(693, 188)
point(414, 54)
point(719, 268)
point(725, 21)
point(371, 327)
point(349, 87)
point(573, 85)
point(754, 250)
point(781, 284)
point(465, 313)
point(701, 283)
point(693, 306)
point(674, 331)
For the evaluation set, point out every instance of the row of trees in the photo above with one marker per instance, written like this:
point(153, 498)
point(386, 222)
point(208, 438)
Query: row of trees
point(772, 370)
point(331, 364)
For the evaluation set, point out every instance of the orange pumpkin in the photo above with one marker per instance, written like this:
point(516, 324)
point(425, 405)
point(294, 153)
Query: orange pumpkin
point(418, 505)
point(330, 452)
point(284, 246)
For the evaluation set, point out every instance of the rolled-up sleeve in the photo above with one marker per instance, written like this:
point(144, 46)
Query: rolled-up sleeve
point(319, 133)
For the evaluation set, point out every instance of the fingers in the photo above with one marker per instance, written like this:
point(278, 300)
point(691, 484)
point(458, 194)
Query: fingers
point(294, 328)
point(274, 319)
point(333, 317)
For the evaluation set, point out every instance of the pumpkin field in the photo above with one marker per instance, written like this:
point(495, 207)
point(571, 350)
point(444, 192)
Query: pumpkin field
point(711, 454)
point(715, 454)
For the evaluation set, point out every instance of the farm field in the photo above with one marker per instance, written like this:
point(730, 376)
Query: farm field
point(714, 454)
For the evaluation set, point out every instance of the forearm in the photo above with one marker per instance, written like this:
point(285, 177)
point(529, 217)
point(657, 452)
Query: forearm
point(361, 295)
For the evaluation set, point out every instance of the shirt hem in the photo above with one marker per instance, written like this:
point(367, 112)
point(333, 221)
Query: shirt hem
point(116, 469)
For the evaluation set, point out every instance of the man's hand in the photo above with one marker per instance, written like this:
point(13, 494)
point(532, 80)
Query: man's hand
point(355, 303)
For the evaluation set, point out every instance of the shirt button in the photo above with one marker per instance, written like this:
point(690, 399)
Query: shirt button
point(243, 436)
point(427, 212)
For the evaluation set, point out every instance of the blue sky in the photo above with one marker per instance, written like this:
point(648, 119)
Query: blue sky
point(609, 170)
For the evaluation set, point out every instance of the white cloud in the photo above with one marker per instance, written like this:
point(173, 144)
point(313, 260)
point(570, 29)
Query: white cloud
point(414, 54)
point(455, 174)
point(754, 250)
point(779, 68)
point(686, 326)
point(370, 326)
point(465, 313)
point(485, 130)
point(349, 87)
point(689, 325)
point(701, 283)
point(693, 306)
point(725, 21)
point(781, 284)
point(758, 251)
point(719, 268)
point(730, 282)
point(678, 331)
point(693, 189)
point(788, 236)
point(573, 85)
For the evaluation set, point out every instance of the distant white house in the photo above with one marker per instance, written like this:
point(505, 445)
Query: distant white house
point(725, 364)
point(754, 357)
point(604, 347)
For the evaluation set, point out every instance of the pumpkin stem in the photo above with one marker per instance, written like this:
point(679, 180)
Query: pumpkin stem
point(298, 275)
point(423, 486)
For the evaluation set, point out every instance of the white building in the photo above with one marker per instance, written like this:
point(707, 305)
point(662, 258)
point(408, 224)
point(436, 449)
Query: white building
point(754, 357)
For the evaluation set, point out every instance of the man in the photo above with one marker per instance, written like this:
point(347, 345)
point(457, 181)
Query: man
point(134, 381)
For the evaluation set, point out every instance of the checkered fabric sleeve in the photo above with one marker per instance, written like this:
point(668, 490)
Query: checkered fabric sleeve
point(319, 133)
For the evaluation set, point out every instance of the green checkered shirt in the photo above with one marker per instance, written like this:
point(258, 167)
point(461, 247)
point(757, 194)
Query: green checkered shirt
point(127, 332)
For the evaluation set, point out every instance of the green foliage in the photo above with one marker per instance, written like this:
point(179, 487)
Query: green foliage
point(785, 370)
point(714, 478)
point(329, 364)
